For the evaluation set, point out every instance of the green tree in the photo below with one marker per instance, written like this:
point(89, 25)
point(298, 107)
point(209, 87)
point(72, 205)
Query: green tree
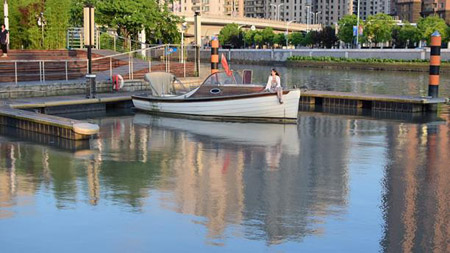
point(279, 39)
point(328, 37)
point(345, 32)
point(267, 35)
point(258, 38)
point(131, 16)
point(295, 38)
point(231, 35)
point(378, 28)
point(409, 33)
point(429, 25)
point(58, 15)
point(249, 37)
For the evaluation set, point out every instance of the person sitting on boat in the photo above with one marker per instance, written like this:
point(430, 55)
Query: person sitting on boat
point(274, 85)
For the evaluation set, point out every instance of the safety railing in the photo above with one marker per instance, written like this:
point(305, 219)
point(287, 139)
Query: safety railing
point(130, 65)
point(15, 71)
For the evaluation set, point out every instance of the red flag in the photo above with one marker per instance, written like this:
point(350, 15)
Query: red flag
point(225, 66)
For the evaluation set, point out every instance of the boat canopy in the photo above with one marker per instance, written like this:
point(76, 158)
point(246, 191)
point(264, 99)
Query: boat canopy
point(165, 84)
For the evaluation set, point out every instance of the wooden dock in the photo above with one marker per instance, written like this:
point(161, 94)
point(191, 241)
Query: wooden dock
point(370, 101)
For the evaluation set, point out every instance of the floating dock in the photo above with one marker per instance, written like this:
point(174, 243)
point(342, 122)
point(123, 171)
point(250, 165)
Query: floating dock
point(47, 124)
point(370, 101)
point(38, 114)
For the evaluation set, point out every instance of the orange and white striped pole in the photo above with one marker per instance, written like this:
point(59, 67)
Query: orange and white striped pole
point(214, 55)
point(435, 63)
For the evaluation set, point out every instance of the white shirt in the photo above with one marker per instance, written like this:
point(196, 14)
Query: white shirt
point(269, 82)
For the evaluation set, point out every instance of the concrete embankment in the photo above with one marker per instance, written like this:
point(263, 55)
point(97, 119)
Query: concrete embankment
point(280, 56)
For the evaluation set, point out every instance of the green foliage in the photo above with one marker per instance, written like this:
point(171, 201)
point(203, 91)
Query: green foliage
point(311, 39)
point(328, 37)
point(249, 37)
point(231, 35)
point(378, 28)
point(268, 35)
point(429, 25)
point(258, 39)
point(345, 31)
point(295, 38)
point(409, 33)
point(350, 60)
point(279, 39)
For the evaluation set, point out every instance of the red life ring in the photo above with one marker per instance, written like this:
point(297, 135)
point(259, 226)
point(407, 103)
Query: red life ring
point(117, 82)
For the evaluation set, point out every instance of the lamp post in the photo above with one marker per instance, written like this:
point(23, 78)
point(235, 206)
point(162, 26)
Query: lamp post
point(5, 11)
point(287, 32)
point(183, 29)
point(357, 27)
point(41, 23)
point(307, 17)
point(317, 16)
point(277, 10)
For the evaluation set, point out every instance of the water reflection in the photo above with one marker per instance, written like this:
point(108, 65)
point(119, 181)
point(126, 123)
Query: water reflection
point(275, 183)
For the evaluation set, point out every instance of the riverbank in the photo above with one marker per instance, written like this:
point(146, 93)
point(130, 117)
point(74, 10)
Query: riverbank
point(393, 66)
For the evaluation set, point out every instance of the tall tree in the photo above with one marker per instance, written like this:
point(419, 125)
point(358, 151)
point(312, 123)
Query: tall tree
point(231, 35)
point(345, 32)
point(429, 25)
point(328, 37)
point(295, 38)
point(268, 35)
point(378, 28)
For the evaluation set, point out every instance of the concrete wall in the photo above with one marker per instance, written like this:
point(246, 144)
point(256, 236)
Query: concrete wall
point(255, 55)
point(63, 89)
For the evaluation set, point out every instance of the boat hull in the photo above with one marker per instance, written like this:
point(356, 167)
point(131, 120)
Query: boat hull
point(248, 107)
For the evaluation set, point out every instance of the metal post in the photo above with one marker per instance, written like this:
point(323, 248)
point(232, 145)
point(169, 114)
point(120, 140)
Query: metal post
point(114, 43)
point(197, 23)
point(40, 71)
point(43, 71)
point(129, 66)
point(15, 70)
point(435, 62)
point(110, 68)
point(214, 55)
point(67, 75)
point(357, 27)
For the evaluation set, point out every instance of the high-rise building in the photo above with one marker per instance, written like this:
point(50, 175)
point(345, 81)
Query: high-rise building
point(440, 8)
point(209, 7)
point(372, 7)
point(408, 10)
point(326, 12)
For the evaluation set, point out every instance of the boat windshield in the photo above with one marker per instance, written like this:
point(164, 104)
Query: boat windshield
point(221, 78)
point(165, 84)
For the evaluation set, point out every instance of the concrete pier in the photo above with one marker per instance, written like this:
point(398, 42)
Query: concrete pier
point(47, 124)
point(370, 101)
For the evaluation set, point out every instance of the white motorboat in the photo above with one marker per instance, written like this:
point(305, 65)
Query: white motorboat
point(219, 97)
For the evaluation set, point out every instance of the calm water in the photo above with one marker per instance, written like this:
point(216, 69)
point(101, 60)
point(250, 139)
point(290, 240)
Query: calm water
point(331, 183)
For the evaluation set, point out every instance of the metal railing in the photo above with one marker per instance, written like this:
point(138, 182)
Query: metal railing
point(42, 70)
point(131, 65)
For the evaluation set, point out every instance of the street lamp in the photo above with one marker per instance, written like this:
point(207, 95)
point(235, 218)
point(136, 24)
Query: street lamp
point(317, 16)
point(277, 10)
point(307, 17)
point(41, 23)
point(287, 32)
point(357, 27)
point(183, 28)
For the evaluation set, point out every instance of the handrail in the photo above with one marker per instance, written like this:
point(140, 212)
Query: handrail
point(12, 61)
point(135, 51)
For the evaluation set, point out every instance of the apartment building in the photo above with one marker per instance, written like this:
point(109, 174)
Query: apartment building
point(372, 7)
point(326, 12)
point(408, 10)
point(233, 8)
point(436, 7)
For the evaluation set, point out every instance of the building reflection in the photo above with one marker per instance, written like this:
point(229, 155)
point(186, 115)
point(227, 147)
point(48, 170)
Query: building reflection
point(281, 182)
point(416, 201)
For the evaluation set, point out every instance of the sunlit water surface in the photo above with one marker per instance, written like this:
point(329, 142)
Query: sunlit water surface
point(331, 183)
